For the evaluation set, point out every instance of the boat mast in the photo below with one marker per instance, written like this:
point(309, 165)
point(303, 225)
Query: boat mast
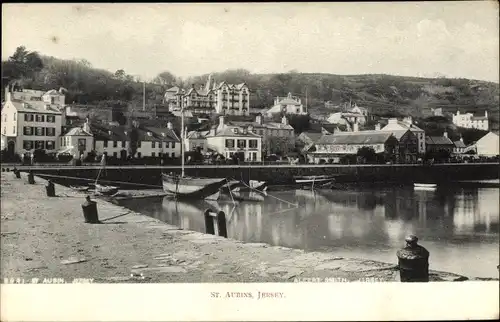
point(306, 99)
point(182, 141)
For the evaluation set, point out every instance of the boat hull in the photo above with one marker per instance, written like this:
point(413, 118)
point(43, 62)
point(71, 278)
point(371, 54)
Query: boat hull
point(105, 190)
point(192, 188)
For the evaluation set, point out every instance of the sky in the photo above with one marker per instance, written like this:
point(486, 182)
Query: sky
point(428, 39)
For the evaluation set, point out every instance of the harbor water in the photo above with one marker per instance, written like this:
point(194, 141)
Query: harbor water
point(458, 225)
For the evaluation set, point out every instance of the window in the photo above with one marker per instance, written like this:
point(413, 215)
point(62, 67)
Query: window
point(167, 145)
point(14, 130)
point(123, 144)
point(52, 100)
point(40, 131)
point(50, 145)
point(153, 145)
point(4, 130)
point(153, 154)
point(50, 131)
point(15, 116)
point(115, 154)
point(173, 154)
point(160, 154)
point(105, 143)
point(173, 146)
point(252, 144)
point(115, 144)
point(40, 145)
point(242, 144)
point(68, 140)
point(139, 154)
point(51, 119)
point(62, 141)
point(230, 143)
point(40, 118)
point(138, 144)
point(82, 143)
point(27, 145)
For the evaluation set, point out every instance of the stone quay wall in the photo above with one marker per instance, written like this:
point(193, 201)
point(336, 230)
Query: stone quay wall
point(150, 176)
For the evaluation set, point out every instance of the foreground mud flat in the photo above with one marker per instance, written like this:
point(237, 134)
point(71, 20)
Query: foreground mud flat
point(46, 238)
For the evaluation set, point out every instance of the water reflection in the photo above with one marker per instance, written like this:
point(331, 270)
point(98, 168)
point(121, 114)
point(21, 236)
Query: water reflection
point(456, 224)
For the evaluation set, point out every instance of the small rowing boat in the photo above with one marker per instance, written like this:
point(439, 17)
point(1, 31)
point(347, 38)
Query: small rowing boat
point(425, 186)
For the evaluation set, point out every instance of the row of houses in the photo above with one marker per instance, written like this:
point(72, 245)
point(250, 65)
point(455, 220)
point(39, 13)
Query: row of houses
point(402, 141)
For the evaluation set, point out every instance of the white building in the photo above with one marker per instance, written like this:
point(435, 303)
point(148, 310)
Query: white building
point(406, 124)
point(488, 145)
point(77, 141)
point(468, 120)
point(222, 98)
point(33, 122)
point(229, 140)
point(151, 141)
point(287, 105)
point(350, 114)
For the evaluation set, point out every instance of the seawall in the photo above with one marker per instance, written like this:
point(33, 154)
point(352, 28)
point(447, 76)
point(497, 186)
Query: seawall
point(281, 174)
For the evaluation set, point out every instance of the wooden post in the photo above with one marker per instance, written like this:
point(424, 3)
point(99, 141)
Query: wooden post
point(221, 223)
point(209, 222)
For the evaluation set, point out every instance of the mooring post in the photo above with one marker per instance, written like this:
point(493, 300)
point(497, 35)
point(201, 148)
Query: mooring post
point(413, 261)
point(90, 211)
point(221, 224)
point(51, 189)
point(31, 177)
point(209, 222)
point(17, 173)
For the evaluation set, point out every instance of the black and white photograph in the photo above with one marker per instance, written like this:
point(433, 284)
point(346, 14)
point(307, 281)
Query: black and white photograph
point(253, 151)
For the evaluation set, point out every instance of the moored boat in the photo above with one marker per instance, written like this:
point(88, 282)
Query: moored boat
point(105, 190)
point(313, 180)
point(425, 186)
point(192, 188)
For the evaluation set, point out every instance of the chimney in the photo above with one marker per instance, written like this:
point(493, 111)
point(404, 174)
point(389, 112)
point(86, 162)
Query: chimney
point(221, 121)
point(486, 114)
point(109, 132)
point(377, 127)
point(170, 126)
point(445, 134)
point(284, 120)
point(86, 125)
point(258, 119)
point(461, 138)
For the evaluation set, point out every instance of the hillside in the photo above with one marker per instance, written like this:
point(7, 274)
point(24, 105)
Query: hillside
point(380, 94)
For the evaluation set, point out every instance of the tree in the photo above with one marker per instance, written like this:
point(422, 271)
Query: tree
point(22, 64)
point(165, 78)
point(367, 154)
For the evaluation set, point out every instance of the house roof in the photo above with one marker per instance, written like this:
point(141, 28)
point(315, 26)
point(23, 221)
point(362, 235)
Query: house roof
point(173, 89)
point(401, 126)
point(197, 134)
point(229, 130)
point(362, 137)
point(108, 132)
point(35, 107)
point(459, 144)
point(288, 101)
point(77, 131)
point(268, 125)
point(398, 134)
point(313, 136)
point(438, 140)
point(479, 118)
point(158, 131)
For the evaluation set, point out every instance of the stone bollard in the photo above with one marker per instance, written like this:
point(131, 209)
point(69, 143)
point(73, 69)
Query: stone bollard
point(17, 173)
point(90, 211)
point(31, 177)
point(51, 189)
point(413, 261)
point(221, 224)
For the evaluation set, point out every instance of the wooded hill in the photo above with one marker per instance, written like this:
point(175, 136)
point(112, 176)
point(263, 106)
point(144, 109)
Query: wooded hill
point(383, 95)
